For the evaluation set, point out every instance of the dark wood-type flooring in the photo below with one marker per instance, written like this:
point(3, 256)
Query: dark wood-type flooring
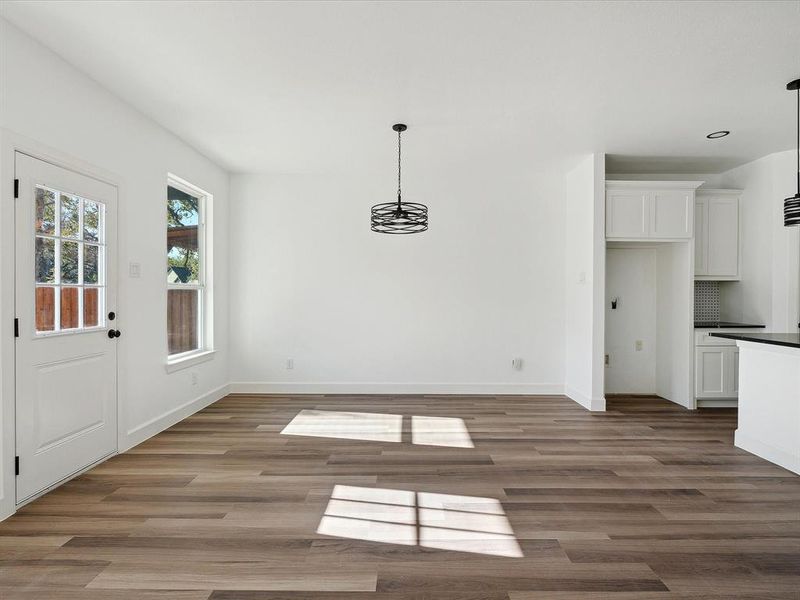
point(647, 501)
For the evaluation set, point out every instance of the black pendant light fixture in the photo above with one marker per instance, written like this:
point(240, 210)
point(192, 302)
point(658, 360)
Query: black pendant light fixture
point(791, 205)
point(399, 217)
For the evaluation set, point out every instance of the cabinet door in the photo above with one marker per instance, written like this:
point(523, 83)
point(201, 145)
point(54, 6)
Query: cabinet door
point(700, 237)
point(723, 237)
point(710, 372)
point(626, 214)
point(671, 214)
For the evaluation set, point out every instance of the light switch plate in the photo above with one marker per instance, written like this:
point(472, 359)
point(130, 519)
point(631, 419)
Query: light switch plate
point(134, 269)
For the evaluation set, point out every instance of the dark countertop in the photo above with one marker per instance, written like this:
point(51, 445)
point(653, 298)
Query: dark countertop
point(791, 340)
point(725, 325)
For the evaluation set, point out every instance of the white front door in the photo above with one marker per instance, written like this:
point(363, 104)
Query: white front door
point(66, 348)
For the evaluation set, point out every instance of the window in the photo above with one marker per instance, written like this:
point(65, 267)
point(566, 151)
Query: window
point(188, 297)
point(70, 262)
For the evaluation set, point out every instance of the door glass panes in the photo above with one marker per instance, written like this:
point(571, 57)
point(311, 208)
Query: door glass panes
point(45, 260)
point(45, 211)
point(69, 308)
point(91, 307)
point(69, 262)
point(45, 309)
point(90, 264)
point(70, 216)
point(91, 221)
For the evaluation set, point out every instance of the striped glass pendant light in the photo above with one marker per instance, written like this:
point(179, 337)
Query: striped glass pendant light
point(791, 205)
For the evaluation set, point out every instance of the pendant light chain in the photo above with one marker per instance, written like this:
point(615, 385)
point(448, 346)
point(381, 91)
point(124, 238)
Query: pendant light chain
point(399, 134)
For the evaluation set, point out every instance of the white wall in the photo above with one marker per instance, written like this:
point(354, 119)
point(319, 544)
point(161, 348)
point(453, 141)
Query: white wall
point(768, 292)
point(584, 235)
point(631, 278)
point(47, 104)
point(357, 311)
point(675, 322)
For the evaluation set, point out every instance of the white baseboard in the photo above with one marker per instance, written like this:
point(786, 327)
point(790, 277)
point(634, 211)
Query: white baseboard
point(150, 428)
point(717, 403)
point(767, 452)
point(491, 389)
point(593, 404)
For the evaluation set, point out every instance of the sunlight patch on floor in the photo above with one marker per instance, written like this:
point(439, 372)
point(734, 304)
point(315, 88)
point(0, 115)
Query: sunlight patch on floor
point(440, 431)
point(374, 427)
point(441, 521)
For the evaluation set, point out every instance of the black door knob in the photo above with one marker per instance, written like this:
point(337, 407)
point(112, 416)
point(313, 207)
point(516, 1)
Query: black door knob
point(117, 333)
point(111, 334)
point(112, 315)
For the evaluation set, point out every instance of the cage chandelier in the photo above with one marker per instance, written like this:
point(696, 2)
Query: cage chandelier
point(399, 217)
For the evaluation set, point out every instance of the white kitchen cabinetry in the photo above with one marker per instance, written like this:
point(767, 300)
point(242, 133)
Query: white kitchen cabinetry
point(627, 214)
point(650, 210)
point(716, 372)
point(716, 366)
point(717, 254)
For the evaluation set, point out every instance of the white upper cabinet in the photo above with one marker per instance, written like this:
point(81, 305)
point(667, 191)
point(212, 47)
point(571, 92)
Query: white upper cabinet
point(672, 214)
point(627, 213)
point(700, 247)
point(717, 237)
point(652, 210)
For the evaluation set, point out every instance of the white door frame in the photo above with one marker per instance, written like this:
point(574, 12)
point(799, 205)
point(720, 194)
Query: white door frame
point(10, 144)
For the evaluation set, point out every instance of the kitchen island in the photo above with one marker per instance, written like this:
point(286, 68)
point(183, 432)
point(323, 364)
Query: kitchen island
point(769, 396)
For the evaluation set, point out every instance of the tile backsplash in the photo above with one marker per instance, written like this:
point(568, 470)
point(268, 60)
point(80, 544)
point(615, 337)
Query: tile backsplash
point(706, 300)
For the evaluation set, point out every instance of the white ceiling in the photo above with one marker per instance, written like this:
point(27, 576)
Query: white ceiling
point(315, 87)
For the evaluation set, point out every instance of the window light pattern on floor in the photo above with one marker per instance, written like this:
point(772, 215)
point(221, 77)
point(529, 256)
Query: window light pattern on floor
point(440, 431)
point(375, 427)
point(372, 427)
point(441, 521)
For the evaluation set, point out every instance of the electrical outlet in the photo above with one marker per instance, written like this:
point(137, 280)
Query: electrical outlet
point(289, 364)
point(194, 378)
point(516, 364)
point(639, 345)
point(134, 270)
point(608, 360)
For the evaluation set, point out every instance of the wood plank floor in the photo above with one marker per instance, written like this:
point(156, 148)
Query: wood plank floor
point(646, 501)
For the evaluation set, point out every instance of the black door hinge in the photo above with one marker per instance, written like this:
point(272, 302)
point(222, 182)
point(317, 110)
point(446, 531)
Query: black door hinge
point(16, 465)
point(16, 327)
point(16, 188)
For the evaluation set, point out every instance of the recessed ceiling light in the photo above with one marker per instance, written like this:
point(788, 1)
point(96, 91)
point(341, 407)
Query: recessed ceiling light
point(718, 134)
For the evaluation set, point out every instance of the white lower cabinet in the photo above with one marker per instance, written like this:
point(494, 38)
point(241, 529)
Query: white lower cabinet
point(716, 371)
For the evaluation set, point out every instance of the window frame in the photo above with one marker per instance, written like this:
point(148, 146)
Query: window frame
point(204, 287)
